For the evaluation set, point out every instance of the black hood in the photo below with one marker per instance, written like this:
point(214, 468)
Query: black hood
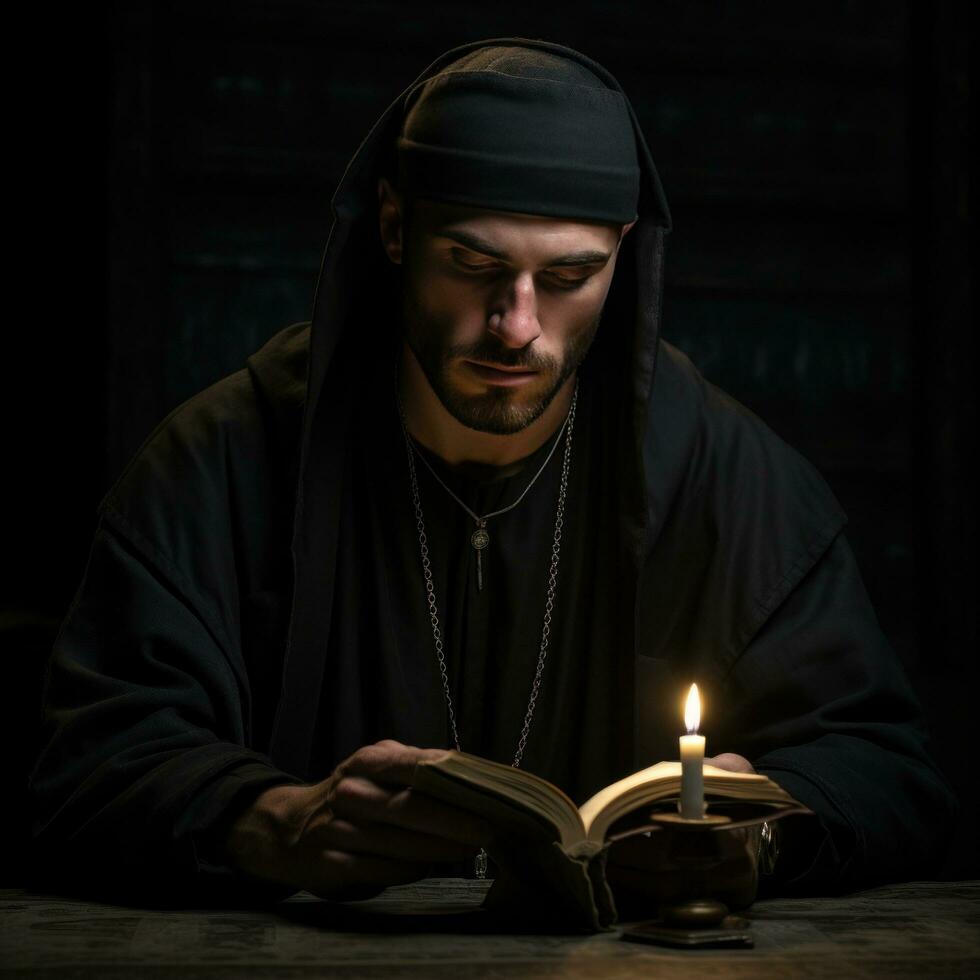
point(353, 262)
point(356, 314)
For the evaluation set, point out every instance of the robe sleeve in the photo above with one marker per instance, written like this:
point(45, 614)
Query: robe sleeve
point(820, 703)
point(144, 739)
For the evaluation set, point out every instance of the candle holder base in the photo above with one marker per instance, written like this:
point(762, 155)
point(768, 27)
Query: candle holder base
point(701, 913)
point(732, 932)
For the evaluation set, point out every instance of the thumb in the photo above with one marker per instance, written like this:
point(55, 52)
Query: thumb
point(731, 762)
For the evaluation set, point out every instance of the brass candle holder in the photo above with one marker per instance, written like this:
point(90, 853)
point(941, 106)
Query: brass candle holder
point(701, 871)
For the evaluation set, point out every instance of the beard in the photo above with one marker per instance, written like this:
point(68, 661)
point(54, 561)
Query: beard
point(498, 410)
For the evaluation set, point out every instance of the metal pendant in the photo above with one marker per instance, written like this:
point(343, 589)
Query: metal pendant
point(480, 539)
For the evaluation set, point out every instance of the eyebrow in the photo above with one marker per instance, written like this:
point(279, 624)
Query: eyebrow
point(477, 244)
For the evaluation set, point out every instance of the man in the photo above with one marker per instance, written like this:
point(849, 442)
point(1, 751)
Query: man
point(477, 503)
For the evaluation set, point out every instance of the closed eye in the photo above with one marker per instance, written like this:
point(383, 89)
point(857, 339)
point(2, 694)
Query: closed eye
point(464, 260)
point(461, 259)
point(569, 282)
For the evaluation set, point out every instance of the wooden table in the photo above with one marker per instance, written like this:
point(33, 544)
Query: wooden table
point(434, 929)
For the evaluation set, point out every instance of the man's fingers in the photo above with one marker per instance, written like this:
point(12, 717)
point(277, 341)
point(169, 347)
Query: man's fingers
point(389, 763)
point(731, 762)
point(389, 841)
point(362, 801)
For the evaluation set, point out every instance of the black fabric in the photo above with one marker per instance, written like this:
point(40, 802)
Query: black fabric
point(518, 129)
point(253, 608)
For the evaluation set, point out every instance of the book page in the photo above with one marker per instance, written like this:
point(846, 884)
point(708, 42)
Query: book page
point(595, 804)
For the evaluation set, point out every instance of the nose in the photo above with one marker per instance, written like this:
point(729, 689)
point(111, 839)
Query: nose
point(514, 313)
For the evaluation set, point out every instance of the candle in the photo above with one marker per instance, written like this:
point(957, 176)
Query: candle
point(692, 805)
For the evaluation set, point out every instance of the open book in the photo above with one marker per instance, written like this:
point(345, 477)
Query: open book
point(548, 844)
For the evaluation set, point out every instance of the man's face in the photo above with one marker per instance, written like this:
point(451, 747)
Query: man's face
point(500, 309)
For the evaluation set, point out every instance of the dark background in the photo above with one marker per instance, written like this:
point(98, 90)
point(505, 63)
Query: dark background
point(179, 161)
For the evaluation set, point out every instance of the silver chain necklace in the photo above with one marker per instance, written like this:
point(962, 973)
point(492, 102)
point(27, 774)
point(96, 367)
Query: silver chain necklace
point(481, 859)
point(480, 538)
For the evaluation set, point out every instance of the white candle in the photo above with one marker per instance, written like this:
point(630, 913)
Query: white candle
point(692, 760)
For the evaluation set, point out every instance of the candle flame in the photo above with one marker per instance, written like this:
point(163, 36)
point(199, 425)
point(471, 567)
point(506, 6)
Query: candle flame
point(692, 710)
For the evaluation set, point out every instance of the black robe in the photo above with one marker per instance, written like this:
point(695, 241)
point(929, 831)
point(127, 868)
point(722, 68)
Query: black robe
point(254, 609)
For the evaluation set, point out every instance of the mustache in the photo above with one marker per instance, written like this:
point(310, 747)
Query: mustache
point(487, 349)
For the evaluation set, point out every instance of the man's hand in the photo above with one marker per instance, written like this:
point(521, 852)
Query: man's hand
point(731, 762)
point(355, 833)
